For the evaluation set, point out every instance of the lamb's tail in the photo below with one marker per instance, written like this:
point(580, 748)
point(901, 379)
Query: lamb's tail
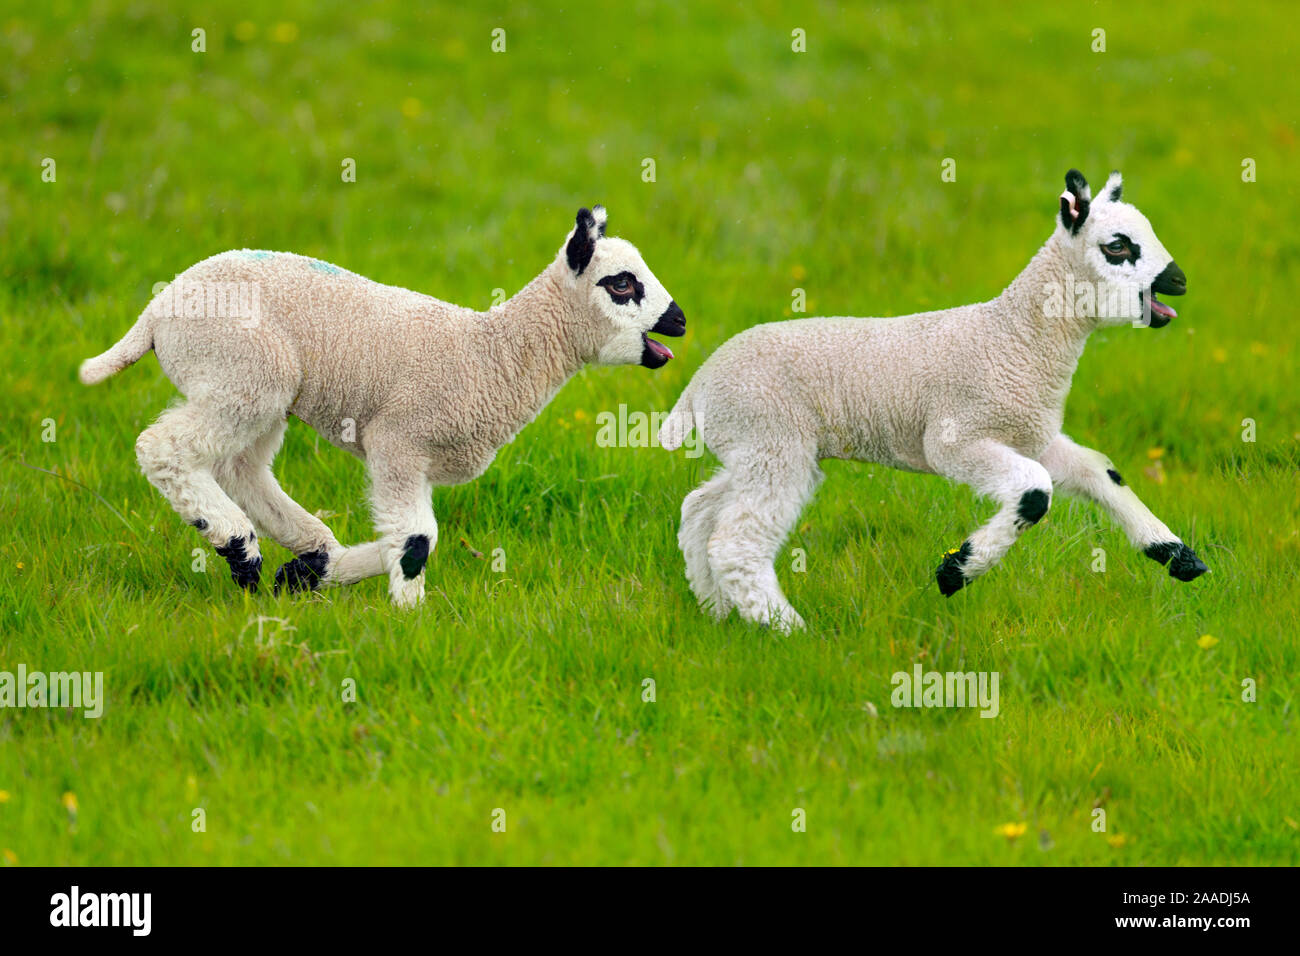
point(131, 348)
point(680, 421)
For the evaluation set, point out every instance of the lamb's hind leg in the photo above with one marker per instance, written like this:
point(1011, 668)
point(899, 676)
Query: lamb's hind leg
point(699, 519)
point(401, 493)
point(248, 479)
point(178, 454)
point(1089, 474)
point(767, 491)
point(1020, 485)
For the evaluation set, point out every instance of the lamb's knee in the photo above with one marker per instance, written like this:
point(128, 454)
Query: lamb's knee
point(1032, 506)
point(415, 554)
point(154, 452)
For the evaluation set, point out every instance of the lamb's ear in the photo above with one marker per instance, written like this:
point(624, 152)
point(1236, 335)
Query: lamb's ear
point(1075, 201)
point(583, 241)
point(1114, 187)
point(598, 213)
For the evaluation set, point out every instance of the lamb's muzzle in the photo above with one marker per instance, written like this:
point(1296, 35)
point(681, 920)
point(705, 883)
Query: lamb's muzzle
point(672, 323)
point(1170, 282)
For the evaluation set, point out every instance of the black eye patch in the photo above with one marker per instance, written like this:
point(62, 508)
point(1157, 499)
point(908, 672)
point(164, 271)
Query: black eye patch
point(623, 288)
point(1131, 252)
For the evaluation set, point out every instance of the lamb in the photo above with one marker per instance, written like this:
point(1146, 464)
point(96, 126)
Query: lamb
point(975, 393)
point(423, 391)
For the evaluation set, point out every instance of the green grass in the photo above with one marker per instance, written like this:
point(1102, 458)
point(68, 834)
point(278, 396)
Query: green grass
point(522, 689)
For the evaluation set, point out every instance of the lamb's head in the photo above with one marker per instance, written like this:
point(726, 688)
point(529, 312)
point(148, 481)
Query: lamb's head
point(616, 291)
point(1113, 245)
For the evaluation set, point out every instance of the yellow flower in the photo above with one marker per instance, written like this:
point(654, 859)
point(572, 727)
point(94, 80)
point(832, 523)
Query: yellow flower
point(1258, 348)
point(798, 273)
point(1154, 453)
point(1012, 830)
point(1118, 840)
point(411, 107)
point(11, 858)
point(284, 32)
point(69, 801)
point(1219, 355)
point(245, 31)
point(21, 565)
point(579, 414)
point(1206, 641)
point(4, 796)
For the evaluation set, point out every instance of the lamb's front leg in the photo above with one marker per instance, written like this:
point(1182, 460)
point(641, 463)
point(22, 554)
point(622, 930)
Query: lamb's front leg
point(401, 494)
point(1089, 474)
point(1020, 485)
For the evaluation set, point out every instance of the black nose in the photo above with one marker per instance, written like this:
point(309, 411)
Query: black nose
point(1171, 281)
point(673, 322)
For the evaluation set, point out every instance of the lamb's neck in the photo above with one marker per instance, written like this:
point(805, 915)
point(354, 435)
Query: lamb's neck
point(534, 343)
point(1048, 346)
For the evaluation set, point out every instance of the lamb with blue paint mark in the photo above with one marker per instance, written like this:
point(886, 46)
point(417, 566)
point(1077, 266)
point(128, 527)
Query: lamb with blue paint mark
point(425, 392)
point(975, 393)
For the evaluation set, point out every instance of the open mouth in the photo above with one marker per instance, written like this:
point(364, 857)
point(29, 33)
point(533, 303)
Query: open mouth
point(1171, 282)
point(672, 323)
point(1161, 314)
point(655, 349)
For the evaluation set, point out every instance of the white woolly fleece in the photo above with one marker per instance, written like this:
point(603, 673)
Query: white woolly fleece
point(424, 391)
point(976, 393)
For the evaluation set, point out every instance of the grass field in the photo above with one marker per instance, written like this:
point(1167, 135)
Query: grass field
point(521, 689)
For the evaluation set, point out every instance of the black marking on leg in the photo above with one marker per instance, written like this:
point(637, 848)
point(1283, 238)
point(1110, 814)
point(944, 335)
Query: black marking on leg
point(200, 523)
point(949, 574)
point(244, 571)
point(303, 573)
point(1115, 477)
point(1033, 505)
point(414, 554)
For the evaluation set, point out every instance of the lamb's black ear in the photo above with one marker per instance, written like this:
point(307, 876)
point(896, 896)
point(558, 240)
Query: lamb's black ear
point(1114, 187)
point(1075, 201)
point(583, 241)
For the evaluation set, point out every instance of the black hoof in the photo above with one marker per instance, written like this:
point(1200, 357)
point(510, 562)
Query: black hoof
point(1186, 566)
point(303, 573)
point(244, 571)
point(1183, 563)
point(949, 574)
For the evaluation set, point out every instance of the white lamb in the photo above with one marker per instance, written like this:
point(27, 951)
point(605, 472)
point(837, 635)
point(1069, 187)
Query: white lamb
point(424, 391)
point(975, 393)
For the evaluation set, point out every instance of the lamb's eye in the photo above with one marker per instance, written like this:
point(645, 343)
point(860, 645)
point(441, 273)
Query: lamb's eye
point(621, 286)
point(1117, 248)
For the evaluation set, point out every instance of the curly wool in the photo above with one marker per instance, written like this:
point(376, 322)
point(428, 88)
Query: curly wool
point(424, 391)
point(976, 393)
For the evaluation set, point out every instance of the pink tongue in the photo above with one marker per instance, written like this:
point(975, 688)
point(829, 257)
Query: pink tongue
point(1159, 308)
point(658, 348)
